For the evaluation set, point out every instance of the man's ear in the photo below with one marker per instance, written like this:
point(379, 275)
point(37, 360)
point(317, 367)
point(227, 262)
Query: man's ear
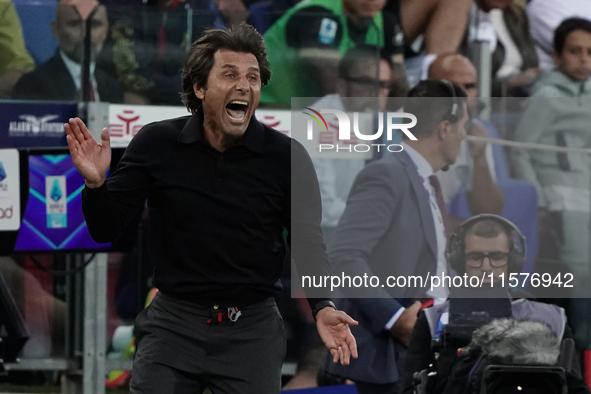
point(443, 130)
point(199, 92)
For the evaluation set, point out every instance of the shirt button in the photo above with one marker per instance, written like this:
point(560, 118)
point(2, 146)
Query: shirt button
point(216, 306)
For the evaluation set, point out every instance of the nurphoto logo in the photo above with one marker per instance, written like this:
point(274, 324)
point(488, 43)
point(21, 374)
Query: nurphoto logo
point(394, 121)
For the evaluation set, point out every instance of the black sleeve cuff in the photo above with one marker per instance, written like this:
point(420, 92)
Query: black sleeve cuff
point(321, 305)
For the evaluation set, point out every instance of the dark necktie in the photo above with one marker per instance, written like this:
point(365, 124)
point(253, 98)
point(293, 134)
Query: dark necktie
point(91, 95)
point(434, 181)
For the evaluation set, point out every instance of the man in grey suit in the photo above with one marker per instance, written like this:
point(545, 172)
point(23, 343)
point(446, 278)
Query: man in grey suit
point(393, 226)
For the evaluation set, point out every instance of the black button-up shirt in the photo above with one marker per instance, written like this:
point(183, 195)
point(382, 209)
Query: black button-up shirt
point(216, 218)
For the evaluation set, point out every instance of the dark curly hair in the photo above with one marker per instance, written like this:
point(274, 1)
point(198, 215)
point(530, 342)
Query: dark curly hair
point(566, 27)
point(200, 59)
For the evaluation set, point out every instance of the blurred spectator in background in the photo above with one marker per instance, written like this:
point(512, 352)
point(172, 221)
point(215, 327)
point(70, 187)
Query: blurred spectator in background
point(16, 61)
point(60, 78)
point(558, 113)
point(336, 26)
point(363, 75)
point(544, 18)
point(44, 315)
point(442, 22)
point(504, 26)
point(309, 365)
point(474, 169)
point(305, 45)
point(145, 53)
point(230, 12)
point(481, 27)
point(514, 61)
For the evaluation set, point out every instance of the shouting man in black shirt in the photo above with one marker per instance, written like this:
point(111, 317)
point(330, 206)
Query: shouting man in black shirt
point(219, 190)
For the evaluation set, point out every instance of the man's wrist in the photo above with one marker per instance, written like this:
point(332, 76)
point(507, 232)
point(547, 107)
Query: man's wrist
point(95, 185)
point(321, 305)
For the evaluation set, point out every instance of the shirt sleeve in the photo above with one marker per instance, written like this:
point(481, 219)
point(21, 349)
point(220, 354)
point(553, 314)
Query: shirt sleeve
point(110, 208)
point(394, 318)
point(313, 27)
point(303, 211)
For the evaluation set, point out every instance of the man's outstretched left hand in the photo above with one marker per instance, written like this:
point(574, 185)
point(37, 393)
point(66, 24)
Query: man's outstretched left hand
point(333, 327)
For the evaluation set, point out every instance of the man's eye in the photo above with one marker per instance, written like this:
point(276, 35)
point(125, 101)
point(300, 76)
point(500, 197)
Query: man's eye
point(229, 75)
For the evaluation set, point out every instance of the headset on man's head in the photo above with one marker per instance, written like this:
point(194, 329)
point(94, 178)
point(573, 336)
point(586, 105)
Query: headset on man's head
point(452, 92)
point(517, 248)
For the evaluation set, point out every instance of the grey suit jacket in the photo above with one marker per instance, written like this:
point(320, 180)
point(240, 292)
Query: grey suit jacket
point(387, 229)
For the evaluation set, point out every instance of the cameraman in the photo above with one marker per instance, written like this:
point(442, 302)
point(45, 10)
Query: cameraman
point(483, 244)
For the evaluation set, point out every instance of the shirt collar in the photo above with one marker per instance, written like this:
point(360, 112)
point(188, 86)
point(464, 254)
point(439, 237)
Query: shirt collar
point(75, 69)
point(253, 139)
point(423, 167)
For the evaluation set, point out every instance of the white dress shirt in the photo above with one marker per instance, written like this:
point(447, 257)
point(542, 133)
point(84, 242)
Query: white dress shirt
point(75, 70)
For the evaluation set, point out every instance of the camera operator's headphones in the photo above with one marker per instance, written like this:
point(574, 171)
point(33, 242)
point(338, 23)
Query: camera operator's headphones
point(455, 246)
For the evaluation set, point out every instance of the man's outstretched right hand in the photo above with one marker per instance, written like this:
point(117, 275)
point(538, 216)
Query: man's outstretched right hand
point(90, 158)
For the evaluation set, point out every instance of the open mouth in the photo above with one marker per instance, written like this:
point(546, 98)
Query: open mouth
point(236, 110)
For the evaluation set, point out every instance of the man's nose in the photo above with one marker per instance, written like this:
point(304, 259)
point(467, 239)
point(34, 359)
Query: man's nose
point(486, 263)
point(242, 84)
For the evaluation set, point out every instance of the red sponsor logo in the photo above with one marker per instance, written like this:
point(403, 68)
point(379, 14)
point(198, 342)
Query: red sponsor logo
point(129, 126)
point(275, 123)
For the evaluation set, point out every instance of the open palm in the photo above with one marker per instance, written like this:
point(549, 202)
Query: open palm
point(333, 328)
point(90, 158)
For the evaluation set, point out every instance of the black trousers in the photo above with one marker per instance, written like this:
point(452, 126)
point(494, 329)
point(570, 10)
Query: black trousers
point(179, 351)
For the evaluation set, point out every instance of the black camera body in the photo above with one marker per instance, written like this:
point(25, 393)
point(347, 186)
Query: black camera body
point(505, 379)
point(476, 369)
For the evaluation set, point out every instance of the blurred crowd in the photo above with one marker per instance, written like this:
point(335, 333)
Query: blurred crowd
point(537, 72)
